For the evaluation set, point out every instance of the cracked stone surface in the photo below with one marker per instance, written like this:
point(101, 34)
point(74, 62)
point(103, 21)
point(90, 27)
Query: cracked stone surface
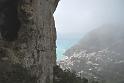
point(35, 47)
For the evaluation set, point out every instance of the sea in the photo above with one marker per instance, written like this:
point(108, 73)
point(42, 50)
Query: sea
point(62, 46)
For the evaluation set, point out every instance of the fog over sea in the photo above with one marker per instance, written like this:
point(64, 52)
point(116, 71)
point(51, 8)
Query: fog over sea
point(74, 18)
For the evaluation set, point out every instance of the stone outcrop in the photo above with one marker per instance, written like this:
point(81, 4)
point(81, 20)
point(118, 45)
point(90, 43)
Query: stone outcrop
point(35, 47)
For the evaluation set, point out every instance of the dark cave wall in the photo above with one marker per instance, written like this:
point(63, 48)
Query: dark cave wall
point(9, 22)
point(34, 47)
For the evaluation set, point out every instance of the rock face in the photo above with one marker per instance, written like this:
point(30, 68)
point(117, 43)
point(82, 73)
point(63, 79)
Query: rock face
point(99, 55)
point(35, 47)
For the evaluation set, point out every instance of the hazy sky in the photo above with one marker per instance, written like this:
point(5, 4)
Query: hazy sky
point(74, 18)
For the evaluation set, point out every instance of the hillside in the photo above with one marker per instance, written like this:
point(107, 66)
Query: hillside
point(99, 55)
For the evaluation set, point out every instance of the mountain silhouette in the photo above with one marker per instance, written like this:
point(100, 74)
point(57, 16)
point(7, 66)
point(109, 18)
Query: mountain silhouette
point(99, 55)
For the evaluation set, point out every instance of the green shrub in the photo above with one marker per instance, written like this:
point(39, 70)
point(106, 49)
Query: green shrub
point(66, 76)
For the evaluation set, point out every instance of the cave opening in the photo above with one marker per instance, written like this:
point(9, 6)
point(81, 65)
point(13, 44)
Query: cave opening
point(9, 22)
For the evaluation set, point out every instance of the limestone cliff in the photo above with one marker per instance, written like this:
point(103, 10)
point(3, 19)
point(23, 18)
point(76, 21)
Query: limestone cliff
point(35, 47)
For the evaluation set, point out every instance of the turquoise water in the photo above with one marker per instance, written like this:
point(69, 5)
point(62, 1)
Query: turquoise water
point(62, 46)
point(65, 42)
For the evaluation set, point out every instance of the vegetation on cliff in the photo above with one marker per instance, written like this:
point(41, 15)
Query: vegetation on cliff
point(68, 76)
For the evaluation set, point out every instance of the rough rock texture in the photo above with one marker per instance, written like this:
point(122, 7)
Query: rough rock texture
point(35, 47)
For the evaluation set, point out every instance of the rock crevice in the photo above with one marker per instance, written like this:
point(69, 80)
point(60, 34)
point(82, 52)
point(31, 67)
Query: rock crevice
point(35, 47)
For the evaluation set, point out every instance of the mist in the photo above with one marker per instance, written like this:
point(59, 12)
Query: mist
point(74, 18)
